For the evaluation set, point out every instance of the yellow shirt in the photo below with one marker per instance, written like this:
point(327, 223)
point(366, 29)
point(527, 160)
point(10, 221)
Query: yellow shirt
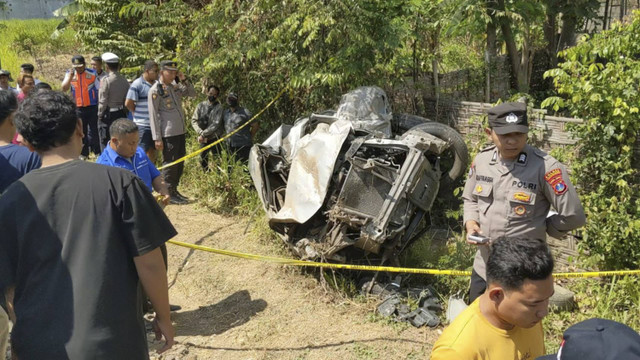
point(471, 337)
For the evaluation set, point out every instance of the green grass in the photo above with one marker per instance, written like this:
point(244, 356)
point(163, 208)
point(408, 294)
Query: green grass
point(614, 298)
point(30, 41)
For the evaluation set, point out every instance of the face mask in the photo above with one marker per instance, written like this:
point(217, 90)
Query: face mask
point(212, 99)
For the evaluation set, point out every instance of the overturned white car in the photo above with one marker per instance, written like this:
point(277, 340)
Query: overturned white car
point(359, 178)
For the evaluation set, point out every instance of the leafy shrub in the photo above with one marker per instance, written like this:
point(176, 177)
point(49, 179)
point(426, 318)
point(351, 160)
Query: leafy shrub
point(598, 82)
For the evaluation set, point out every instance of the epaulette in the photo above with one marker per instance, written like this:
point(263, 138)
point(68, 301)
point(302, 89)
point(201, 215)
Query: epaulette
point(541, 153)
point(490, 147)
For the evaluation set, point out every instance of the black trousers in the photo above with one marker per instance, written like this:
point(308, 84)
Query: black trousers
point(477, 286)
point(241, 153)
point(91, 141)
point(174, 148)
point(204, 156)
point(105, 123)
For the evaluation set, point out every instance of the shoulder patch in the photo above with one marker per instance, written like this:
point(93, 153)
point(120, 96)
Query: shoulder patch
point(554, 178)
point(154, 96)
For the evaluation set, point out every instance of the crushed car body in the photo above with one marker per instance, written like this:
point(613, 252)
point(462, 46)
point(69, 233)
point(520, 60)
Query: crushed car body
point(359, 177)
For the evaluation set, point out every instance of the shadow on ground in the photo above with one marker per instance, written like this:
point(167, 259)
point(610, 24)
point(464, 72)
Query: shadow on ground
point(235, 310)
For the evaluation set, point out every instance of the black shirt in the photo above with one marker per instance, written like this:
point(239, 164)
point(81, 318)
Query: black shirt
point(232, 121)
point(69, 236)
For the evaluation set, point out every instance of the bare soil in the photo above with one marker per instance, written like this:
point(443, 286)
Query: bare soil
point(242, 309)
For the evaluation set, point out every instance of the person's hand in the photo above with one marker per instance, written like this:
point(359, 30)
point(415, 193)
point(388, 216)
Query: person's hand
point(181, 76)
point(472, 227)
point(159, 144)
point(165, 199)
point(163, 328)
point(201, 139)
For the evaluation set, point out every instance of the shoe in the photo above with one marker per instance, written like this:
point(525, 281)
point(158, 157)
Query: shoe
point(174, 307)
point(176, 200)
point(182, 197)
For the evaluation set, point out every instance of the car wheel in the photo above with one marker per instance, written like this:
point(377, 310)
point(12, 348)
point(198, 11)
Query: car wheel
point(457, 146)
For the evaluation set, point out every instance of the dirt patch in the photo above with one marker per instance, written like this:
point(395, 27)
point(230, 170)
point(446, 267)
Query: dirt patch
point(241, 309)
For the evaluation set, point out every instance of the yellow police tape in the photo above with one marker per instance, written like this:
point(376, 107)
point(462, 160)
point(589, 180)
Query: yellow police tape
point(382, 268)
point(195, 153)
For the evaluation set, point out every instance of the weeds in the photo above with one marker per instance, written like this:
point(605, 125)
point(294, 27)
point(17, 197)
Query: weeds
point(614, 299)
point(29, 41)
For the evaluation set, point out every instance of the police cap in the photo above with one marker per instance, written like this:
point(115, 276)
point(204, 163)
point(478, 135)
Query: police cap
point(509, 118)
point(78, 61)
point(110, 58)
point(168, 65)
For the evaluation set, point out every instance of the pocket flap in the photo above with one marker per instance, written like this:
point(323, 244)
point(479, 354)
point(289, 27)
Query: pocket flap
point(482, 189)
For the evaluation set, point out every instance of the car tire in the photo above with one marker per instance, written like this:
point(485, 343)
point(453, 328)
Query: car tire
point(452, 137)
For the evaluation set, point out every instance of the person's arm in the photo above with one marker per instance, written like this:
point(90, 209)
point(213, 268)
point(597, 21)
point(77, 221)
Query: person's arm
point(445, 353)
point(131, 98)
point(66, 82)
point(130, 104)
point(471, 215)
point(185, 88)
point(154, 119)
point(102, 99)
point(153, 276)
point(197, 115)
point(559, 190)
point(160, 186)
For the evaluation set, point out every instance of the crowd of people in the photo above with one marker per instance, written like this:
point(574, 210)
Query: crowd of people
point(92, 236)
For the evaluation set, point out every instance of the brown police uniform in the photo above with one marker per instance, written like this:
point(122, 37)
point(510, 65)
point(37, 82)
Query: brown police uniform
point(513, 198)
point(167, 122)
point(113, 91)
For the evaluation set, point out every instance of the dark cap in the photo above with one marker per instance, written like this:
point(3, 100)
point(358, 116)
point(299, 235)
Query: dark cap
point(509, 118)
point(168, 65)
point(6, 73)
point(78, 61)
point(598, 339)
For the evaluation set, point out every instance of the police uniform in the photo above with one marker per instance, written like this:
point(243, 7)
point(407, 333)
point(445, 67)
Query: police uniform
point(111, 97)
point(167, 122)
point(513, 198)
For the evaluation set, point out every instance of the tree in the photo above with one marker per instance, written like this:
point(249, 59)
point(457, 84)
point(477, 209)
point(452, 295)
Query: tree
point(598, 82)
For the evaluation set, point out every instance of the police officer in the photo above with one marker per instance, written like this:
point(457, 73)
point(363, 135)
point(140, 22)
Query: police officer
point(511, 187)
point(235, 116)
point(167, 122)
point(113, 91)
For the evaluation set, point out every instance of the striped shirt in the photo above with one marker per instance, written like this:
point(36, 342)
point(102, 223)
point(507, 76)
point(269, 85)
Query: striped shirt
point(139, 92)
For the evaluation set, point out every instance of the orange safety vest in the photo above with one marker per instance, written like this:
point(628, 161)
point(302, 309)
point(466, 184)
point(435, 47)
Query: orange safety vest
point(84, 88)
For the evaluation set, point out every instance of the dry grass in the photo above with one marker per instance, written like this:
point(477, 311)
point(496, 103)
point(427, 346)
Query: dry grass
point(241, 309)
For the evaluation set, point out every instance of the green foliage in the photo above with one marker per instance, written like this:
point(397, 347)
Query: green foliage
point(226, 189)
point(29, 41)
point(616, 299)
point(432, 252)
point(598, 82)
